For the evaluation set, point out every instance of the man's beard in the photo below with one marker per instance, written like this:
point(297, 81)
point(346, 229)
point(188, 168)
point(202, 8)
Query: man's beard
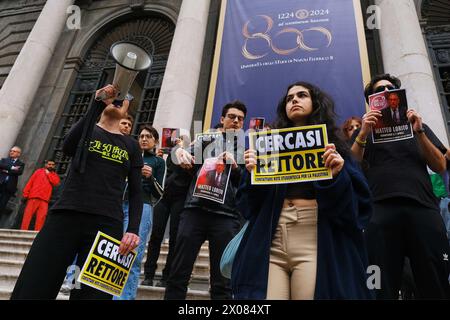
point(113, 112)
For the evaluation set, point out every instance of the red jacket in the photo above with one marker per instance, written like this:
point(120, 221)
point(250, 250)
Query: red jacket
point(40, 185)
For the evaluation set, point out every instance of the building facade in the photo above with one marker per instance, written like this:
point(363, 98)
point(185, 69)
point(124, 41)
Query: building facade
point(55, 53)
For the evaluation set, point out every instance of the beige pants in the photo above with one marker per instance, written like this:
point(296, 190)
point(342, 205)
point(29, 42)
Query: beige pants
point(293, 255)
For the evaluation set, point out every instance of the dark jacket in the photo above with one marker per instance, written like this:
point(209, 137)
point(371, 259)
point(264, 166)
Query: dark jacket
point(177, 181)
point(150, 194)
point(6, 171)
point(229, 207)
point(344, 209)
point(388, 120)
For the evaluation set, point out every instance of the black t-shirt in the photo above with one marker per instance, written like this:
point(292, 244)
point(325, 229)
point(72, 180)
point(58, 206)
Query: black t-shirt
point(300, 190)
point(111, 158)
point(398, 169)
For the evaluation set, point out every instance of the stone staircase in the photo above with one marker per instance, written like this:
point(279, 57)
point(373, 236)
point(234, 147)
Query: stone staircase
point(15, 244)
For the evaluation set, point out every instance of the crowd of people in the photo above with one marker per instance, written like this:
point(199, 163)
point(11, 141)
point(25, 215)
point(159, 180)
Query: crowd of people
point(304, 240)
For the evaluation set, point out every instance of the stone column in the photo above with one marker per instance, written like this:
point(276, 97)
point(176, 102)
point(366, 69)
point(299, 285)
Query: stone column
point(405, 56)
point(24, 79)
point(179, 88)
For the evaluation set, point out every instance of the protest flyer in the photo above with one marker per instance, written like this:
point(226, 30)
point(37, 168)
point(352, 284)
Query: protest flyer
point(208, 136)
point(169, 139)
point(393, 125)
point(105, 269)
point(212, 180)
point(257, 123)
point(290, 155)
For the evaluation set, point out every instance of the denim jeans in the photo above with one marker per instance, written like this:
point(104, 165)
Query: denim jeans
point(130, 289)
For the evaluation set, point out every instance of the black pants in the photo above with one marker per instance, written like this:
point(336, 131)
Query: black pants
point(163, 210)
point(65, 233)
point(4, 197)
point(402, 227)
point(196, 227)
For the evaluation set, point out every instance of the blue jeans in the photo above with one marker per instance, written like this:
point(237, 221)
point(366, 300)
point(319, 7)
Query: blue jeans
point(130, 289)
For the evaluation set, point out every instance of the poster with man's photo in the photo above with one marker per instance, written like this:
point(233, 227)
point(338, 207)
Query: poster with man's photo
point(212, 180)
point(393, 125)
point(169, 139)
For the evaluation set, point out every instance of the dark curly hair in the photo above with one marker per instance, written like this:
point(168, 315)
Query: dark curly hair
point(323, 113)
point(368, 90)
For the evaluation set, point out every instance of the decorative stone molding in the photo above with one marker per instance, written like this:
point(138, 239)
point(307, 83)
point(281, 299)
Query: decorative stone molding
point(136, 4)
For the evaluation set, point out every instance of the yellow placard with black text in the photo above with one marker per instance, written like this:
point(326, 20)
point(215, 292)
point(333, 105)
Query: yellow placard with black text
point(290, 155)
point(105, 269)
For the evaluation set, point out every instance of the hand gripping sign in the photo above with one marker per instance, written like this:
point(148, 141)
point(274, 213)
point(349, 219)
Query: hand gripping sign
point(105, 269)
point(290, 155)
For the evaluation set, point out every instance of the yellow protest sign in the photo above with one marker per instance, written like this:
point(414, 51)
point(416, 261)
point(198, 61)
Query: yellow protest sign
point(105, 269)
point(290, 155)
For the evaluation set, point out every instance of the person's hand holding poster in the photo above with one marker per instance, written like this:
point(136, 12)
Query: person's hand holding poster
point(170, 138)
point(212, 180)
point(393, 125)
point(105, 269)
point(290, 155)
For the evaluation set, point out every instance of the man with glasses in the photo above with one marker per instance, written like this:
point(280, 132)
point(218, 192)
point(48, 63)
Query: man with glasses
point(10, 170)
point(152, 178)
point(406, 220)
point(204, 219)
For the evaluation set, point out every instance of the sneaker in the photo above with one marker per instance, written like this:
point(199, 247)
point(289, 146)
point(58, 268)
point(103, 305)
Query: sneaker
point(147, 282)
point(161, 283)
point(65, 289)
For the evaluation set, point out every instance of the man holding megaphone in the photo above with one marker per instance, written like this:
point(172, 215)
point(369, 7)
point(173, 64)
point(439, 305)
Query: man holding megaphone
point(91, 201)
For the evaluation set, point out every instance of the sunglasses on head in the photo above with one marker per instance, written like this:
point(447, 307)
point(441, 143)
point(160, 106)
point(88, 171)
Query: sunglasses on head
point(389, 87)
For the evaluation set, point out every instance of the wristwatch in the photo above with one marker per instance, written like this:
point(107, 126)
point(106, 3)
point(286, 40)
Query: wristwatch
point(419, 131)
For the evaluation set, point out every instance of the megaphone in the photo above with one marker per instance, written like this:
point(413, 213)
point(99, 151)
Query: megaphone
point(130, 59)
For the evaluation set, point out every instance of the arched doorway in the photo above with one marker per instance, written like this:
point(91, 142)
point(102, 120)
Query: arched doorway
point(153, 32)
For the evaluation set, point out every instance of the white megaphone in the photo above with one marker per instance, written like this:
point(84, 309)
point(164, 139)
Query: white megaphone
point(130, 59)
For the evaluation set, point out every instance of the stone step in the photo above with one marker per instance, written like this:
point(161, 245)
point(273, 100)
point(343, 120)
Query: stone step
point(24, 246)
point(5, 294)
point(10, 267)
point(25, 242)
point(13, 254)
point(203, 257)
point(200, 269)
point(8, 280)
point(5, 237)
point(18, 251)
point(156, 293)
point(24, 233)
point(197, 283)
point(143, 293)
point(15, 245)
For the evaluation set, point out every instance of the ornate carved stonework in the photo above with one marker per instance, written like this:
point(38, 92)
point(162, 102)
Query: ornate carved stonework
point(136, 4)
point(443, 56)
point(154, 35)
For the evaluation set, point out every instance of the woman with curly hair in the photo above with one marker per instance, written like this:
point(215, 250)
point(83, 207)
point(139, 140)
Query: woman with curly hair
point(305, 240)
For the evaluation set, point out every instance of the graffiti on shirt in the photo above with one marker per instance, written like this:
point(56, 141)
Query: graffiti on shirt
point(108, 151)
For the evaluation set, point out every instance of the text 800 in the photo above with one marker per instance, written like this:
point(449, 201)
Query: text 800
point(245, 309)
